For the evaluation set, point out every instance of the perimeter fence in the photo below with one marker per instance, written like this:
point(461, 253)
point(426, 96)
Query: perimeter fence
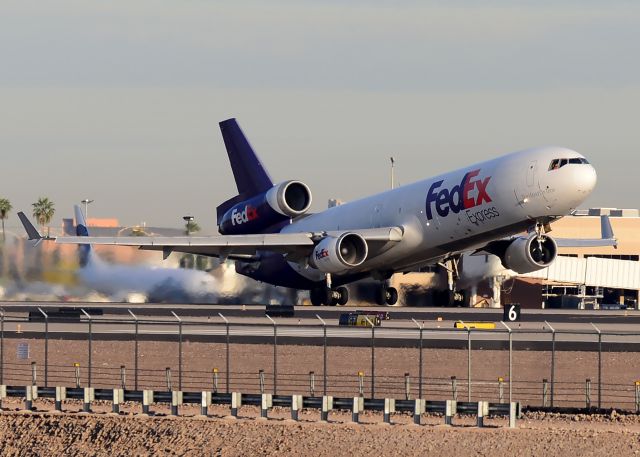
point(541, 368)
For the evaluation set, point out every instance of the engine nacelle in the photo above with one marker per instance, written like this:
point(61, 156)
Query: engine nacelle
point(334, 255)
point(527, 254)
point(280, 203)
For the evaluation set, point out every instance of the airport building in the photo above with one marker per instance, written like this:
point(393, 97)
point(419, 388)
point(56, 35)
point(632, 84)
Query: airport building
point(582, 278)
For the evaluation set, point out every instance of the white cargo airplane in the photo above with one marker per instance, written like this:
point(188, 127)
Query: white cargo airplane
point(484, 207)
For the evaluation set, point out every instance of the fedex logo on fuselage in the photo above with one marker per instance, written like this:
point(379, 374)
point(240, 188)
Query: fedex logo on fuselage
point(249, 213)
point(459, 197)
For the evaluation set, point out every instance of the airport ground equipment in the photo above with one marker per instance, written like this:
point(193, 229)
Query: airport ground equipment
point(236, 400)
point(359, 320)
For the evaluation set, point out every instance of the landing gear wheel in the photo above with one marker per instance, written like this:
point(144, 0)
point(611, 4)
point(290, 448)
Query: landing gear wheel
point(330, 297)
point(387, 296)
point(315, 295)
point(344, 295)
point(392, 296)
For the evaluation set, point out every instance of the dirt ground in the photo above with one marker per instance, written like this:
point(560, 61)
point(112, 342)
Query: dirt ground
point(99, 434)
point(294, 363)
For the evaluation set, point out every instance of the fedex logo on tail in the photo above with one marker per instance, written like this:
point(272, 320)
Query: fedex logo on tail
point(471, 192)
point(249, 213)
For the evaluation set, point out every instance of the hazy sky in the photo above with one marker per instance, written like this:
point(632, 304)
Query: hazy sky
point(119, 101)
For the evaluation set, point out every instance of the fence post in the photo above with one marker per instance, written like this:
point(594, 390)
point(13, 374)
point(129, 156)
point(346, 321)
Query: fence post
point(227, 361)
point(296, 405)
point(454, 388)
point(261, 380)
point(361, 383)
point(90, 349)
point(483, 408)
point(500, 390)
point(553, 360)
point(236, 403)
point(266, 403)
point(168, 378)
point(358, 404)
point(389, 407)
point(327, 405)
point(510, 361)
point(135, 351)
point(34, 381)
point(544, 393)
point(407, 387)
point(61, 395)
point(418, 410)
point(312, 383)
point(468, 360)
point(29, 397)
point(373, 357)
point(513, 412)
point(215, 380)
point(419, 359)
point(275, 355)
point(76, 367)
point(599, 366)
point(118, 397)
point(587, 393)
point(324, 356)
point(46, 347)
point(637, 385)
point(206, 402)
point(123, 377)
point(450, 411)
point(179, 350)
point(176, 401)
point(147, 400)
point(88, 397)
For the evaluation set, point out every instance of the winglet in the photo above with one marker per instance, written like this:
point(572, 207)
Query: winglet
point(607, 231)
point(29, 228)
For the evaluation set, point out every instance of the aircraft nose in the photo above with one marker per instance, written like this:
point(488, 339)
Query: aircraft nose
point(585, 179)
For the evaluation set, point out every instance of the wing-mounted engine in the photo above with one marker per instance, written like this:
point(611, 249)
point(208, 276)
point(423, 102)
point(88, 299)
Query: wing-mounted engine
point(527, 254)
point(335, 255)
point(282, 202)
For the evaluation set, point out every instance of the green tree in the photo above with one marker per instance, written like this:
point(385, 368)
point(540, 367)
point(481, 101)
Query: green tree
point(191, 227)
point(5, 207)
point(43, 211)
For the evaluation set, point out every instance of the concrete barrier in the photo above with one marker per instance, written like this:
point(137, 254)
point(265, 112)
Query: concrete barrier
point(88, 397)
point(61, 395)
point(118, 397)
point(31, 393)
point(327, 405)
point(176, 401)
point(205, 403)
point(450, 411)
point(296, 406)
point(358, 407)
point(389, 407)
point(236, 403)
point(147, 401)
point(266, 402)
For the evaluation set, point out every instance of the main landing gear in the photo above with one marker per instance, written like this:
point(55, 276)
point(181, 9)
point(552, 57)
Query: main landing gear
point(328, 296)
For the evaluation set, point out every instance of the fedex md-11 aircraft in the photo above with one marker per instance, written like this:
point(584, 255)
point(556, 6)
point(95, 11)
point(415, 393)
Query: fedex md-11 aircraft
point(503, 206)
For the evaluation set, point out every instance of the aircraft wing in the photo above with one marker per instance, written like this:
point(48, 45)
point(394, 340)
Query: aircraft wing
point(295, 245)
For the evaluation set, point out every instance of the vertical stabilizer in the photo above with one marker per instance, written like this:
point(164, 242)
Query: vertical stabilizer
point(84, 250)
point(250, 175)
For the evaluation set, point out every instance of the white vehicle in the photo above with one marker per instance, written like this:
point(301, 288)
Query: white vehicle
point(484, 207)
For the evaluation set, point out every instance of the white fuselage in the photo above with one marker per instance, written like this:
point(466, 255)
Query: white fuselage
point(449, 213)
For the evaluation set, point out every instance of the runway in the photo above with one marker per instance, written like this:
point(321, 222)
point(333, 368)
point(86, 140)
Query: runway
point(247, 324)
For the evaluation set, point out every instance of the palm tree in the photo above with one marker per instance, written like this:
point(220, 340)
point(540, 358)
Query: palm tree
point(192, 226)
point(43, 211)
point(5, 207)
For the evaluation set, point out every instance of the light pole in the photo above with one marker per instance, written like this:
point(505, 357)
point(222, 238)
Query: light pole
point(393, 162)
point(188, 220)
point(86, 202)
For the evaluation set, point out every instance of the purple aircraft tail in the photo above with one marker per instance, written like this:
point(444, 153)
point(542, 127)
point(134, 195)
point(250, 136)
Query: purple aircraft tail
point(249, 173)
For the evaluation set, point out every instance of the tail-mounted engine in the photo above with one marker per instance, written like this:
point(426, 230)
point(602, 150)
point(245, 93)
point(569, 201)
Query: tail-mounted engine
point(527, 254)
point(335, 255)
point(282, 202)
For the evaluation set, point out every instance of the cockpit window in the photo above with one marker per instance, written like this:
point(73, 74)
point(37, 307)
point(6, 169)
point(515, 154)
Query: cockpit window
point(559, 163)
